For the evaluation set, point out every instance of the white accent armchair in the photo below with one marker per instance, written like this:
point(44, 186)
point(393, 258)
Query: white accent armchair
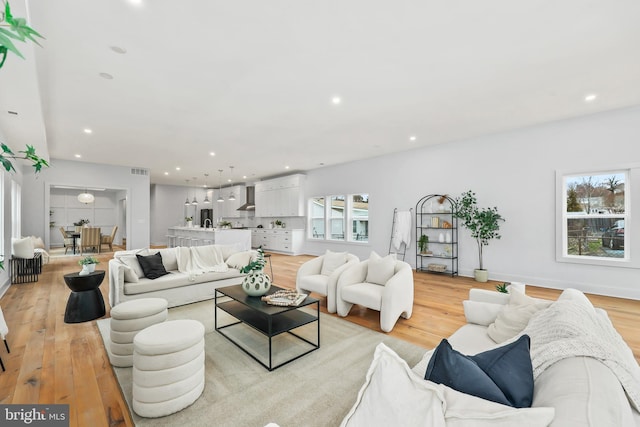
point(320, 275)
point(393, 297)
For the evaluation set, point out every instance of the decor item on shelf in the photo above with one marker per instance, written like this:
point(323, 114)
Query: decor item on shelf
point(483, 223)
point(447, 237)
point(86, 197)
point(88, 264)
point(13, 28)
point(278, 223)
point(435, 222)
point(441, 203)
point(446, 224)
point(423, 244)
point(439, 268)
point(189, 221)
point(441, 237)
point(256, 283)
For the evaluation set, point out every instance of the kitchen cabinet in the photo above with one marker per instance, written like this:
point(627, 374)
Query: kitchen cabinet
point(286, 241)
point(280, 197)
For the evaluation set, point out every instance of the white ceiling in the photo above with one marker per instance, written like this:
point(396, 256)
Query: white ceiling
point(253, 80)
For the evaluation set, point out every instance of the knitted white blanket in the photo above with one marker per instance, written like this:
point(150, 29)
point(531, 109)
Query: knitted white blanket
point(568, 329)
point(199, 260)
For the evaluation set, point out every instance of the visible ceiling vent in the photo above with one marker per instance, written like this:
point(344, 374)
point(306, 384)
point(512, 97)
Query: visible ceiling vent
point(250, 205)
point(139, 171)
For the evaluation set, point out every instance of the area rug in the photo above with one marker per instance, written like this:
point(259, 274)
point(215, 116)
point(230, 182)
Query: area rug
point(316, 390)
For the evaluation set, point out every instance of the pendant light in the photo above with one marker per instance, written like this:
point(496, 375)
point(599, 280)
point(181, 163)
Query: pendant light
point(231, 195)
point(195, 201)
point(220, 199)
point(206, 189)
point(186, 202)
point(86, 197)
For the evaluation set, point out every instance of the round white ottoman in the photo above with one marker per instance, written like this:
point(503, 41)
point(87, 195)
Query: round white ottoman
point(129, 318)
point(168, 367)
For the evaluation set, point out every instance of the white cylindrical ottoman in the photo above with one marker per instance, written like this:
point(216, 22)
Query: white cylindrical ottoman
point(129, 318)
point(168, 367)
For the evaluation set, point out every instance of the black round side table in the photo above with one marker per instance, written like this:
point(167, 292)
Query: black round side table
point(85, 302)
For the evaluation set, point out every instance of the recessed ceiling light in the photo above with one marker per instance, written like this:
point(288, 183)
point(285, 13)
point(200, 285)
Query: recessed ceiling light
point(136, 2)
point(591, 97)
point(286, 167)
point(244, 176)
point(212, 153)
point(77, 156)
point(106, 76)
point(336, 100)
point(88, 131)
point(166, 173)
point(412, 138)
point(118, 49)
point(178, 168)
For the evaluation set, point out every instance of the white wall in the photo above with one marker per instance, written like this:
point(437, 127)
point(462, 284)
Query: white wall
point(36, 189)
point(514, 171)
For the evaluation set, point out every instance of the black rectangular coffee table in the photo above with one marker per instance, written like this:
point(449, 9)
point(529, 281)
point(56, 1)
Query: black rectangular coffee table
point(269, 320)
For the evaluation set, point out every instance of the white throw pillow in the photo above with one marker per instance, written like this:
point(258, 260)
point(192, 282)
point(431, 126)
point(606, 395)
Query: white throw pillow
point(481, 313)
point(131, 261)
point(169, 258)
point(331, 261)
point(239, 259)
point(393, 396)
point(380, 269)
point(37, 242)
point(464, 410)
point(22, 248)
point(129, 275)
point(515, 316)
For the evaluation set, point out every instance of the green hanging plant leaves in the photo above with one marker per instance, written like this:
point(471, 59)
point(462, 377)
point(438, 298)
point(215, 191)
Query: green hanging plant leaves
point(17, 29)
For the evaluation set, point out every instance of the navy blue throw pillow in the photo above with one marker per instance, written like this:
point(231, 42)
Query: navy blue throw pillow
point(152, 265)
point(502, 375)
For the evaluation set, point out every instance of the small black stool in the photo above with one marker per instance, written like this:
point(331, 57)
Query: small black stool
point(85, 302)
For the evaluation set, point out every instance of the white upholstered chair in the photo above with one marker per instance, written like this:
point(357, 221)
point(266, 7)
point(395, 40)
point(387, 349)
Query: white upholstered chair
point(382, 284)
point(4, 330)
point(320, 275)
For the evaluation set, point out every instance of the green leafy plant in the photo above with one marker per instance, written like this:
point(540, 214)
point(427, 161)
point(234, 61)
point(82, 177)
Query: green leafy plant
point(224, 224)
point(81, 222)
point(503, 287)
point(278, 222)
point(29, 154)
point(188, 218)
point(14, 28)
point(88, 260)
point(423, 243)
point(483, 223)
point(256, 265)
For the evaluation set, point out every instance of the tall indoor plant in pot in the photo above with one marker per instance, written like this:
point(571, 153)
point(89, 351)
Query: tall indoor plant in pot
point(483, 223)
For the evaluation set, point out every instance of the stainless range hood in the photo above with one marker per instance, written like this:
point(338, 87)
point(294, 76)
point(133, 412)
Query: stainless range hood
point(250, 203)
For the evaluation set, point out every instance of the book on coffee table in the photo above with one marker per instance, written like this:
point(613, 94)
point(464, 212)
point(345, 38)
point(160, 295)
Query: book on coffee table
point(284, 298)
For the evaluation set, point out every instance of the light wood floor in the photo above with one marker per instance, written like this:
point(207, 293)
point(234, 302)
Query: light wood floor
point(55, 362)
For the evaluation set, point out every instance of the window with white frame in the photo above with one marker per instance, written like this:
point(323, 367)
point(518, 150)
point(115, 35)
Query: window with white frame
point(339, 217)
point(595, 210)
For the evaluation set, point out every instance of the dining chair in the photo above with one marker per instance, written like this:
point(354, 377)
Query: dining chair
point(90, 238)
point(108, 239)
point(66, 240)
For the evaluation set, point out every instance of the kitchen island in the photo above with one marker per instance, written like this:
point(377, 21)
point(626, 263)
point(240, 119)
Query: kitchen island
point(199, 236)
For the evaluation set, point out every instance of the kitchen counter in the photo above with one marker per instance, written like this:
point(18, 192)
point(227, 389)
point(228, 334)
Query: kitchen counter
point(209, 236)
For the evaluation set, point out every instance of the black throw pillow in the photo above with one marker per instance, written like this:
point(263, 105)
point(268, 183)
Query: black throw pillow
point(502, 375)
point(152, 265)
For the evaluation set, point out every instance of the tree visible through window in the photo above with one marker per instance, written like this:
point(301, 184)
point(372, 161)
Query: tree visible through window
point(594, 215)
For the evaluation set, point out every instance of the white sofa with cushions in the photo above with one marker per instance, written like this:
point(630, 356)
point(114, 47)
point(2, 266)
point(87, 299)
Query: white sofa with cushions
point(581, 372)
point(188, 274)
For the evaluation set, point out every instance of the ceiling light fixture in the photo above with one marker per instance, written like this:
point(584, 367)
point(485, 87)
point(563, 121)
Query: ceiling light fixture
point(77, 156)
point(212, 153)
point(86, 197)
point(412, 138)
point(195, 201)
point(88, 131)
point(336, 100)
point(220, 199)
point(591, 97)
point(186, 202)
point(206, 191)
point(232, 197)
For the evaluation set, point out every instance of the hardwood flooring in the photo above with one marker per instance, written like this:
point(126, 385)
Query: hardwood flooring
point(54, 362)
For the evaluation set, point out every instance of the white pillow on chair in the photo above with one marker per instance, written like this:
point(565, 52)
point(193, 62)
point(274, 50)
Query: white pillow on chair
point(380, 269)
point(22, 248)
point(331, 261)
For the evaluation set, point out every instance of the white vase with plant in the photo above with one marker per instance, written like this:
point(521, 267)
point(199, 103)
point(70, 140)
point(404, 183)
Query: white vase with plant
point(483, 223)
point(188, 221)
point(88, 264)
point(256, 283)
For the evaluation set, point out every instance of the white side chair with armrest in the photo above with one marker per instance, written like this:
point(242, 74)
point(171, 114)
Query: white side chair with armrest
point(320, 275)
point(382, 284)
point(4, 330)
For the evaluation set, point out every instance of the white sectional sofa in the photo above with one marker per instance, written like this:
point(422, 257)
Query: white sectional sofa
point(584, 374)
point(193, 273)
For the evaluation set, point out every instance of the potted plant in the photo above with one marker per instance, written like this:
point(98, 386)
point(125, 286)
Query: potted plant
point(81, 223)
point(189, 221)
point(278, 223)
point(483, 223)
point(423, 244)
point(224, 224)
point(256, 282)
point(88, 264)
